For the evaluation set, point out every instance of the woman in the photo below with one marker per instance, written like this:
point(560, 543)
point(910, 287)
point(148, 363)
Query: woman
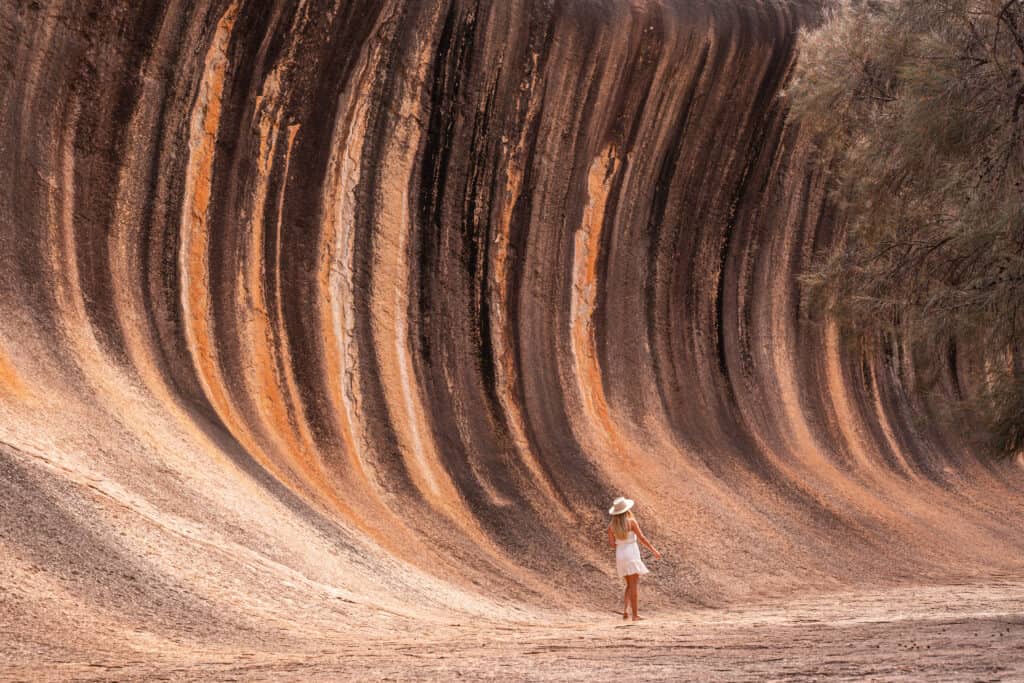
point(623, 534)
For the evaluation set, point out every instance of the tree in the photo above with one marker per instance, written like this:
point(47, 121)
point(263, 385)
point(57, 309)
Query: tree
point(918, 106)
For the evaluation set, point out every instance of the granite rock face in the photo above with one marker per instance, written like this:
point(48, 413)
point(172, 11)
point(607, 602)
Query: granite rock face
point(318, 306)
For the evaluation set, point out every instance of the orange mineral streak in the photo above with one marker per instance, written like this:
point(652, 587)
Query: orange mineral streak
point(337, 322)
point(390, 301)
point(10, 381)
point(195, 237)
point(389, 315)
point(264, 346)
point(124, 248)
point(338, 318)
point(295, 425)
point(584, 301)
point(501, 330)
point(258, 339)
point(334, 278)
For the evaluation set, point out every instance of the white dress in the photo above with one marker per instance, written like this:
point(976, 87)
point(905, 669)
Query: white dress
point(627, 556)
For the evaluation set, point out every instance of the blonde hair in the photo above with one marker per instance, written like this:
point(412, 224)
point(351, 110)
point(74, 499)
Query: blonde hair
point(620, 523)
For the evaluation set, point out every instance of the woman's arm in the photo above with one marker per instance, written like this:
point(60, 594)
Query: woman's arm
point(643, 539)
point(611, 537)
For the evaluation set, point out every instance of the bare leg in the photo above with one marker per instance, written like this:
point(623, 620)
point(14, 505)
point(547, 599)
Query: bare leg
point(634, 594)
point(625, 601)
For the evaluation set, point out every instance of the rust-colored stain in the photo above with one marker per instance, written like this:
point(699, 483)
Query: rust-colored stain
point(10, 380)
point(586, 253)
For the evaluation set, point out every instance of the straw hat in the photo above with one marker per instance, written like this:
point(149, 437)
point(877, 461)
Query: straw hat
point(620, 505)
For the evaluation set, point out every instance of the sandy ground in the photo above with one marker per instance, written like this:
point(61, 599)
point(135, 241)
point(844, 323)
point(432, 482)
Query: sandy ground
point(953, 632)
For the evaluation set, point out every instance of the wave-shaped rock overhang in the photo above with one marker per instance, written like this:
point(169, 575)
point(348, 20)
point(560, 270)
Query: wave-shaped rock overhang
point(402, 289)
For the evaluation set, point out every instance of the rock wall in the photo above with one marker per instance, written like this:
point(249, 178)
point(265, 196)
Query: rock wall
point(385, 301)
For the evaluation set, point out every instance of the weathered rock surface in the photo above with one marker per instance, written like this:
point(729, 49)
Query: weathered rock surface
point(314, 314)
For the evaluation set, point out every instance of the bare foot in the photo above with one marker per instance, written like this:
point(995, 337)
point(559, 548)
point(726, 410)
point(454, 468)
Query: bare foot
point(625, 615)
point(637, 617)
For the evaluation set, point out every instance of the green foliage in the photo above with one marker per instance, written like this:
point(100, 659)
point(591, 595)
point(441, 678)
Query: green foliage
point(919, 107)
